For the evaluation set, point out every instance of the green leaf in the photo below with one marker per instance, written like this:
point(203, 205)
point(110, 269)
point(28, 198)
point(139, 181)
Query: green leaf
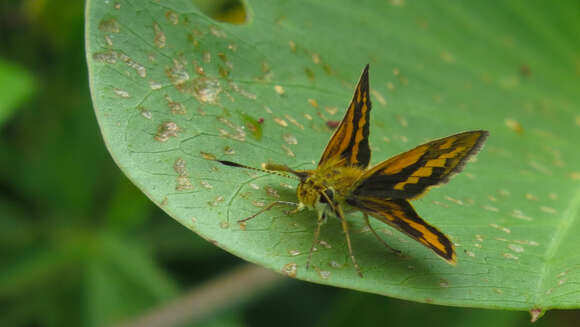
point(17, 85)
point(170, 87)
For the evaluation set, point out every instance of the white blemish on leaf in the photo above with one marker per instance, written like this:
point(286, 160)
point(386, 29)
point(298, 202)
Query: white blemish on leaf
point(280, 122)
point(258, 203)
point(177, 73)
point(469, 253)
point(292, 45)
point(224, 225)
point(331, 110)
point(324, 274)
point(175, 107)
point(290, 269)
point(379, 97)
point(160, 37)
point(501, 228)
point(288, 151)
point(294, 252)
point(206, 57)
point(290, 139)
point(516, 213)
point(402, 121)
point(293, 121)
point(279, 89)
point(271, 191)
point(182, 183)
point(254, 186)
point(155, 85)
point(217, 32)
point(108, 57)
point(109, 40)
point(165, 131)
point(121, 93)
point(145, 113)
point(516, 248)
point(236, 88)
point(287, 186)
point(207, 156)
point(206, 89)
point(206, 185)
point(215, 202)
point(510, 256)
point(325, 244)
point(456, 201)
point(307, 116)
point(172, 17)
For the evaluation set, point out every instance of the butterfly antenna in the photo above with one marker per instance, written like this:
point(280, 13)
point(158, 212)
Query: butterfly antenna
point(277, 169)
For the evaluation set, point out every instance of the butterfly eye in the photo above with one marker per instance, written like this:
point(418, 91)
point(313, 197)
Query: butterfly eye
point(329, 196)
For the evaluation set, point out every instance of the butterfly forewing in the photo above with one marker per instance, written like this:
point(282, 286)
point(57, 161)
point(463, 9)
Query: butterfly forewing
point(350, 140)
point(400, 214)
point(410, 174)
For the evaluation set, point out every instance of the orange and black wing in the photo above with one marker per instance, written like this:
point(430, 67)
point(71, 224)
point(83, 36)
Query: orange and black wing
point(408, 175)
point(401, 215)
point(349, 144)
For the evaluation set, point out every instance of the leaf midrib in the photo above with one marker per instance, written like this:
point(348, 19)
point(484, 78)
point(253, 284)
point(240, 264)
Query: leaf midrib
point(568, 218)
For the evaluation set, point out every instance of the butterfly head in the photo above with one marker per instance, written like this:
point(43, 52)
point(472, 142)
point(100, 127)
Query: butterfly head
point(315, 195)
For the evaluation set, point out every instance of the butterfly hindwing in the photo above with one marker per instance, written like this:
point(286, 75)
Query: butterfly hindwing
point(408, 175)
point(400, 214)
point(350, 140)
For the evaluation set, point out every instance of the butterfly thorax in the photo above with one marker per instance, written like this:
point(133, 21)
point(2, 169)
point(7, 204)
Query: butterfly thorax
point(328, 182)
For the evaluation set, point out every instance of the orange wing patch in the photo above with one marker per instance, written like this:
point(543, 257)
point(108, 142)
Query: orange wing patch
point(410, 174)
point(350, 140)
point(401, 215)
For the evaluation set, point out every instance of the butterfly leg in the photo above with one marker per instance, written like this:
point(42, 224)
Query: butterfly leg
point(378, 237)
point(319, 222)
point(268, 207)
point(347, 235)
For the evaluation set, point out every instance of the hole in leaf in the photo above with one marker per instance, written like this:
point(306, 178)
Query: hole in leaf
point(227, 11)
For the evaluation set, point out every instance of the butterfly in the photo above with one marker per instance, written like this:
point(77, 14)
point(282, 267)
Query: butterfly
point(343, 181)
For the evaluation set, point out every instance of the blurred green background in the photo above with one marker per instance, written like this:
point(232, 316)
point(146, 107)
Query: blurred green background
point(81, 246)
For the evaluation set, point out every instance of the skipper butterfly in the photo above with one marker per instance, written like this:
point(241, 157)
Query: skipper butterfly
point(342, 181)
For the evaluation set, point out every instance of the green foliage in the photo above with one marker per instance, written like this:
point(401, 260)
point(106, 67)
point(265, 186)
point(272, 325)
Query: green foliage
point(167, 83)
point(16, 85)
